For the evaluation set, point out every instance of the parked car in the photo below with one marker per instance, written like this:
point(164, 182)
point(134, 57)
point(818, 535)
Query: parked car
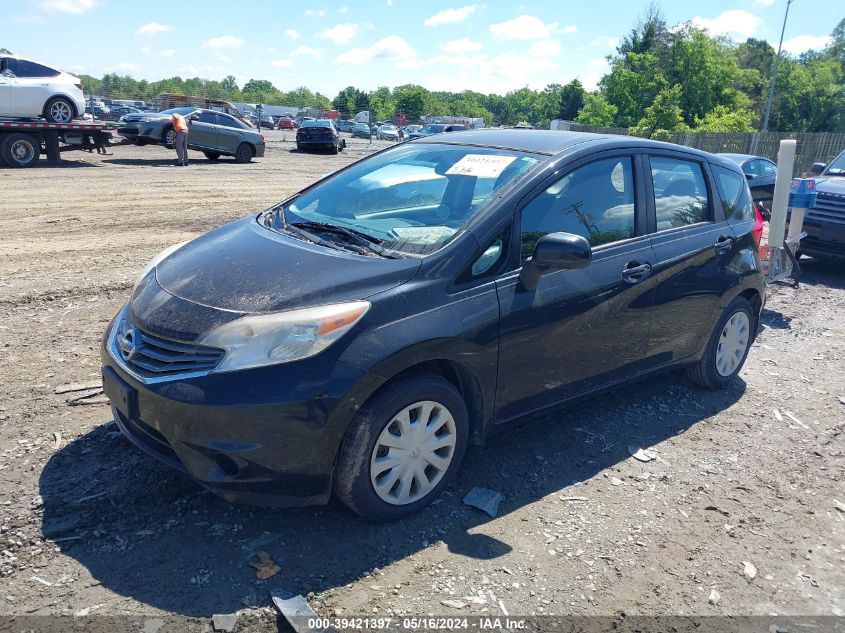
point(761, 174)
point(361, 130)
point(213, 133)
point(410, 129)
point(825, 225)
point(390, 132)
point(30, 90)
point(319, 133)
point(117, 112)
point(344, 125)
point(358, 336)
point(268, 121)
point(436, 128)
point(98, 111)
point(286, 123)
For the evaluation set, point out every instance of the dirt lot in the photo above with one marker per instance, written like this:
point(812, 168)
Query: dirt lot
point(89, 525)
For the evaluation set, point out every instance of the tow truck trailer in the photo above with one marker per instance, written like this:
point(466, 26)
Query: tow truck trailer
point(23, 142)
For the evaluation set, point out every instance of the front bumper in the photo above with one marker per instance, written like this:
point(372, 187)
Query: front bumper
point(265, 436)
point(824, 239)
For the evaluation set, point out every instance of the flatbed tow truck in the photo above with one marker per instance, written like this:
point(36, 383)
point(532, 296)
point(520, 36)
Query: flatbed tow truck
point(23, 142)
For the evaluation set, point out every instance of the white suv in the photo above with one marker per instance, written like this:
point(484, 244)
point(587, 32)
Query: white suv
point(29, 89)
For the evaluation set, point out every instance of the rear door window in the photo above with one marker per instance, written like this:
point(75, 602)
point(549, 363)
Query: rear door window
point(23, 68)
point(734, 193)
point(207, 117)
point(680, 192)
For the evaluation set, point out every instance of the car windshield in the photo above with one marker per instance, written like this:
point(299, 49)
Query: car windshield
point(316, 124)
point(413, 198)
point(182, 111)
point(837, 166)
point(433, 128)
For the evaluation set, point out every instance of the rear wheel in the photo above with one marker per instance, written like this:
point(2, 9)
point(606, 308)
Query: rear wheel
point(20, 150)
point(244, 153)
point(168, 137)
point(403, 448)
point(59, 110)
point(212, 155)
point(728, 346)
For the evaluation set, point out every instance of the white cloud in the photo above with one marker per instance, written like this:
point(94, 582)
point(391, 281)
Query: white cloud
point(343, 10)
point(390, 3)
point(282, 63)
point(224, 41)
point(301, 51)
point(27, 19)
point(568, 28)
point(153, 29)
point(168, 52)
point(292, 34)
point(734, 22)
point(596, 69)
point(451, 16)
point(604, 41)
point(525, 27)
point(499, 74)
point(128, 66)
point(76, 7)
point(801, 43)
point(391, 47)
point(545, 48)
point(340, 33)
point(463, 45)
point(223, 58)
point(763, 3)
point(315, 13)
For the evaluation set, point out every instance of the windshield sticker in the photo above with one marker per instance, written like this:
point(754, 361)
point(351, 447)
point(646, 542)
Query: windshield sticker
point(481, 165)
point(423, 234)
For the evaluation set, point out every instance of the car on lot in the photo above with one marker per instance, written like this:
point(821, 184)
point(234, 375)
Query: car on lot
point(389, 132)
point(344, 125)
point(319, 134)
point(116, 112)
point(267, 121)
point(286, 123)
point(760, 172)
point(213, 133)
point(436, 128)
point(31, 90)
point(362, 130)
point(825, 224)
point(98, 110)
point(410, 129)
point(357, 336)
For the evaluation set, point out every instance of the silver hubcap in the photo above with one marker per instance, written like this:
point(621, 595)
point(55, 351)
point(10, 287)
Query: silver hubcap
point(171, 137)
point(22, 151)
point(732, 344)
point(413, 453)
point(60, 112)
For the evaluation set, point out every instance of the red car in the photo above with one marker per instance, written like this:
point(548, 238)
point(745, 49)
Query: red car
point(286, 123)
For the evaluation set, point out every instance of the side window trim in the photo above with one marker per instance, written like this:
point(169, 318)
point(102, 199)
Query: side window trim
point(635, 155)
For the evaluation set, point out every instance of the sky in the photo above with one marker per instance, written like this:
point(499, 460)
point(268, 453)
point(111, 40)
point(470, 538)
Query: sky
point(491, 46)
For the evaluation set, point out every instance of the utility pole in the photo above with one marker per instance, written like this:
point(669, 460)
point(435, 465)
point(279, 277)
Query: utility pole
point(775, 71)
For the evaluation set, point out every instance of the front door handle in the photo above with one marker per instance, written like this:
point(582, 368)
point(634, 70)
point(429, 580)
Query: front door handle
point(634, 272)
point(723, 244)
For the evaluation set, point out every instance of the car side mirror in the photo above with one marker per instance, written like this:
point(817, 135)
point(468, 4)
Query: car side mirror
point(555, 251)
point(818, 168)
point(194, 117)
point(749, 176)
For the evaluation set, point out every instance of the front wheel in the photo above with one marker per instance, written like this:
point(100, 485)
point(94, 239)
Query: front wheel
point(727, 348)
point(403, 448)
point(59, 110)
point(244, 153)
point(169, 137)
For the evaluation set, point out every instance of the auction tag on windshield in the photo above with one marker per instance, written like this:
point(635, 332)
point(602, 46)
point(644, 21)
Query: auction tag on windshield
point(481, 165)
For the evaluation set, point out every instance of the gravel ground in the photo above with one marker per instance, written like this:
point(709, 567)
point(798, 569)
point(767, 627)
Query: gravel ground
point(750, 477)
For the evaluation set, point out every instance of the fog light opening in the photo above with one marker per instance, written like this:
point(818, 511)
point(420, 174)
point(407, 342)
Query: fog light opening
point(227, 465)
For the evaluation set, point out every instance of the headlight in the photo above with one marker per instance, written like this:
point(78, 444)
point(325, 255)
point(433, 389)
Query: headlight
point(156, 260)
point(282, 337)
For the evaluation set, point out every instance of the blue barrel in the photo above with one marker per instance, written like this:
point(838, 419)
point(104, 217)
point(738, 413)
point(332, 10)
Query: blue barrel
point(802, 193)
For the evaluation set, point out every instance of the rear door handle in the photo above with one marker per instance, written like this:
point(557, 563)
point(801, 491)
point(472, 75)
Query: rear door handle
point(634, 272)
point(723, 244)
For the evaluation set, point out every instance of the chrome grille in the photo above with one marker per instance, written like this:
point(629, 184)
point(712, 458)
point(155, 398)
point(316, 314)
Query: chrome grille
point(151, 356)
point(829, 208)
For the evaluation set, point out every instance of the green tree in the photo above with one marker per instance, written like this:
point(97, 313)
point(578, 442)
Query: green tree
point(632, 84)
point(571, 100)
point(725, 119)
point(596, 111)
point(412, 101)
point(662, 117)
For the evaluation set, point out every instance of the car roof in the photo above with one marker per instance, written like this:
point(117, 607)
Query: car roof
point(551, 142)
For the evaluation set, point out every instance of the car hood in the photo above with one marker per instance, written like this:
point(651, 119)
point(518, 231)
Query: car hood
point(246, 267)
point(150, 116)
point(830, 184)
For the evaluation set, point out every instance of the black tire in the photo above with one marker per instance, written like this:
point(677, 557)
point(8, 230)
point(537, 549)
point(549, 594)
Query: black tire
point(352, 482)
point(20, 150)
point(212, 155)
point(705, 372)
point(168, 136)
point(334, 149)
point(298, 147)
point(60, 110)
point(244, 153)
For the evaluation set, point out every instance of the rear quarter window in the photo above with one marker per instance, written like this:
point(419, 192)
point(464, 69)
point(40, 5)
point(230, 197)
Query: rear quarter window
point(735, 195)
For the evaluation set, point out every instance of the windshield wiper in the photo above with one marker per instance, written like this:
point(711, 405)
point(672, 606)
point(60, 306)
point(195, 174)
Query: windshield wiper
point(360, 238)
point(310, 237)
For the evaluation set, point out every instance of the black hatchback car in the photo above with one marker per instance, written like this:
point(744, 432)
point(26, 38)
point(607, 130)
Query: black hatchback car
point(357, 336)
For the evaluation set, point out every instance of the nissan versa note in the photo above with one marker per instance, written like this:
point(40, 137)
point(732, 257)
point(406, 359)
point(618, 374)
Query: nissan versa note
point(357, 336)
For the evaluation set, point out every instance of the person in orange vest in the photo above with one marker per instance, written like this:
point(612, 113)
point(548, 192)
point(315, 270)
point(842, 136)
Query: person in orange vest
point(180, 126)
